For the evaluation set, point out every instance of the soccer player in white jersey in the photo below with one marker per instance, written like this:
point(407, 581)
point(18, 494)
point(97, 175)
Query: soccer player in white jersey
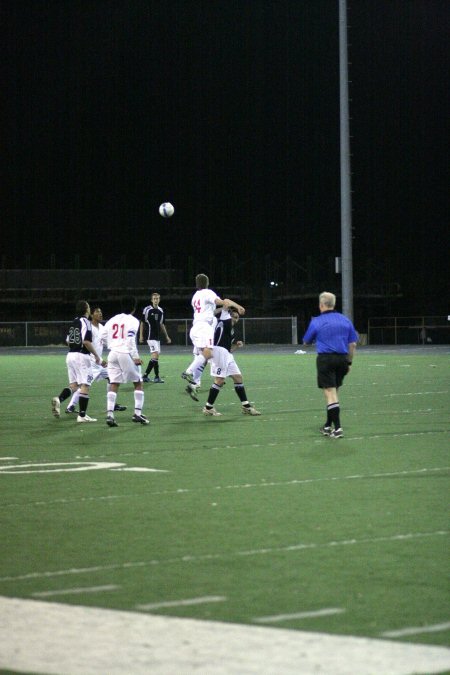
point(204, 303)
point(124, 361)
point(99, 370)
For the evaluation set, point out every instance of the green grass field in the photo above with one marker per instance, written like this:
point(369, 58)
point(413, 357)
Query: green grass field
point(256, 519)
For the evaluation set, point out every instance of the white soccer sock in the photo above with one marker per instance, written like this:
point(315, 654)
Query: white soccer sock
point(197, 367)
point(110, 402)
point(74, 400)
point(138, 401)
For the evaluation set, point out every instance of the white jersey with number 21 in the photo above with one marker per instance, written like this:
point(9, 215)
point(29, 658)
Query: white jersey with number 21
point(121, 332)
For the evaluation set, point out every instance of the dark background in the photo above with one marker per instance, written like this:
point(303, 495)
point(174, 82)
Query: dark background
point(230, 110)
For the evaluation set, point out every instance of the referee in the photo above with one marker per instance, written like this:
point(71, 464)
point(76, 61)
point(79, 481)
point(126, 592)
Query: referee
point(335, 338)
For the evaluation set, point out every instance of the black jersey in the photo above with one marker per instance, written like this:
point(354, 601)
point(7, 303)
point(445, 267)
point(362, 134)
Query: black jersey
point(153, 317)
point(80, 330)
point(224, 332)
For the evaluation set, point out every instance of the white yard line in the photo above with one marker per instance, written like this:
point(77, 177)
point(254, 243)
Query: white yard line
point(52, 638)
point(434, 628)
point(182, 603)
point(227, 555)
point(416, 393)
point(276, 618)
point(238, 486)
point(75, 591)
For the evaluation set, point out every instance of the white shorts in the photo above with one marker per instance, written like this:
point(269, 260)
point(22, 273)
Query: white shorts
point(154, 346)
point(122, 368)
point(223, 363)
point(98, 372)
point(202, 335)
point(79, 368)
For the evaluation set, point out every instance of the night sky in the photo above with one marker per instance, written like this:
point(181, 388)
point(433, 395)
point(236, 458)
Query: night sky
point(230, 110)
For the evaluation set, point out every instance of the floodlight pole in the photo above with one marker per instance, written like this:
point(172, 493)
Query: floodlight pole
point(346, 199)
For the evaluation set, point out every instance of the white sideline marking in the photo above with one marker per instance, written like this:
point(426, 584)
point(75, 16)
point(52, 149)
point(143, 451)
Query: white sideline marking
point(183, 603)
point(434, 628)
point(141, 469)
point(7, 459)
point(299, 615)
point(224, 555)
point(53, 638)
point(75, 591)
point(66, 466)
point(72, 466)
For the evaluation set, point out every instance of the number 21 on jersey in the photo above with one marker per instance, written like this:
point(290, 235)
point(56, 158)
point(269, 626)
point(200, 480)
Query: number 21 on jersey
point(118, 331)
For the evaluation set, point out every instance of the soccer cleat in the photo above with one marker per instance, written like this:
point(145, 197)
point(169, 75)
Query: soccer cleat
point(56, 406)
point(211, 411)
point(146, 379)
point(188, 376)
point(111, 422)
point(140, 419)
point(191, 389)
point(120, 408)
point(71, 409)
point(250, 410)
point(337, 433)
point(325, 431)
point(86, 418)
point(158, 380)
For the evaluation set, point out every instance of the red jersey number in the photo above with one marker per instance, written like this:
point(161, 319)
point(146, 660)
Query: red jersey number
point(118, 331)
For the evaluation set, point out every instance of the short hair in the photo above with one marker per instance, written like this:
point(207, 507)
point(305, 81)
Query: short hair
point(201, 281)
point(128, 304)
point(327, 299)
point(81, 307)
point(155, 293)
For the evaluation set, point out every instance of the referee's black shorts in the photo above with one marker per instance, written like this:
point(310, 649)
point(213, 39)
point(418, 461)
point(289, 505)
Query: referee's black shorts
point(331, 370)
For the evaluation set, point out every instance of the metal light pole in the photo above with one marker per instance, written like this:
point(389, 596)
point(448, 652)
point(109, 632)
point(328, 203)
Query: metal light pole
point(346, 199)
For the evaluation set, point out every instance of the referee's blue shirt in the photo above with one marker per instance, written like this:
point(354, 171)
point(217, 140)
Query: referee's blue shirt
point(332, 332)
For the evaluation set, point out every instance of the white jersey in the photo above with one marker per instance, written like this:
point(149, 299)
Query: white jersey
point(204, 305)
point(98, 339)
point(121, 334)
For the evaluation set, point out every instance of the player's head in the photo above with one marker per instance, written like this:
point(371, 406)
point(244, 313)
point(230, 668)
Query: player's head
point(327, 300)
point(155, 298)
point(234, 316)
point(128, 304)
point(97, 314)
point(201, 281)
point(82, 308)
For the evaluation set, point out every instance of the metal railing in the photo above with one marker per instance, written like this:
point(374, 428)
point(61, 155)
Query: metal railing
point(275, 330)
point(399, 330)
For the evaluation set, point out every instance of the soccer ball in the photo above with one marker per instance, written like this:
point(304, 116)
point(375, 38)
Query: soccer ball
point(166, 210)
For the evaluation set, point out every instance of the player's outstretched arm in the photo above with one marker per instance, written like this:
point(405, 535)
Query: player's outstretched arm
point(231, 304)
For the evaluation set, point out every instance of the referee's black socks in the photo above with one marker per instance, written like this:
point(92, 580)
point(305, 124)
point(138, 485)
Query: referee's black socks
point(333, 415)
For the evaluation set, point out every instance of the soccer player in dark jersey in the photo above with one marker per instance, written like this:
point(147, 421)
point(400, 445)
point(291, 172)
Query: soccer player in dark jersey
point(223, 364)
point(335, 338)
point(223, 337)
point(152, 325)
point(79, 364)
point(99, 370)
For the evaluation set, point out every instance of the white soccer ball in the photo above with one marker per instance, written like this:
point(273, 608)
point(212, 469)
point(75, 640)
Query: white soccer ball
point(166, 210)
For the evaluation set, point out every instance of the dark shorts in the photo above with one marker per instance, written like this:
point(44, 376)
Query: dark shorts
point(331, 370)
